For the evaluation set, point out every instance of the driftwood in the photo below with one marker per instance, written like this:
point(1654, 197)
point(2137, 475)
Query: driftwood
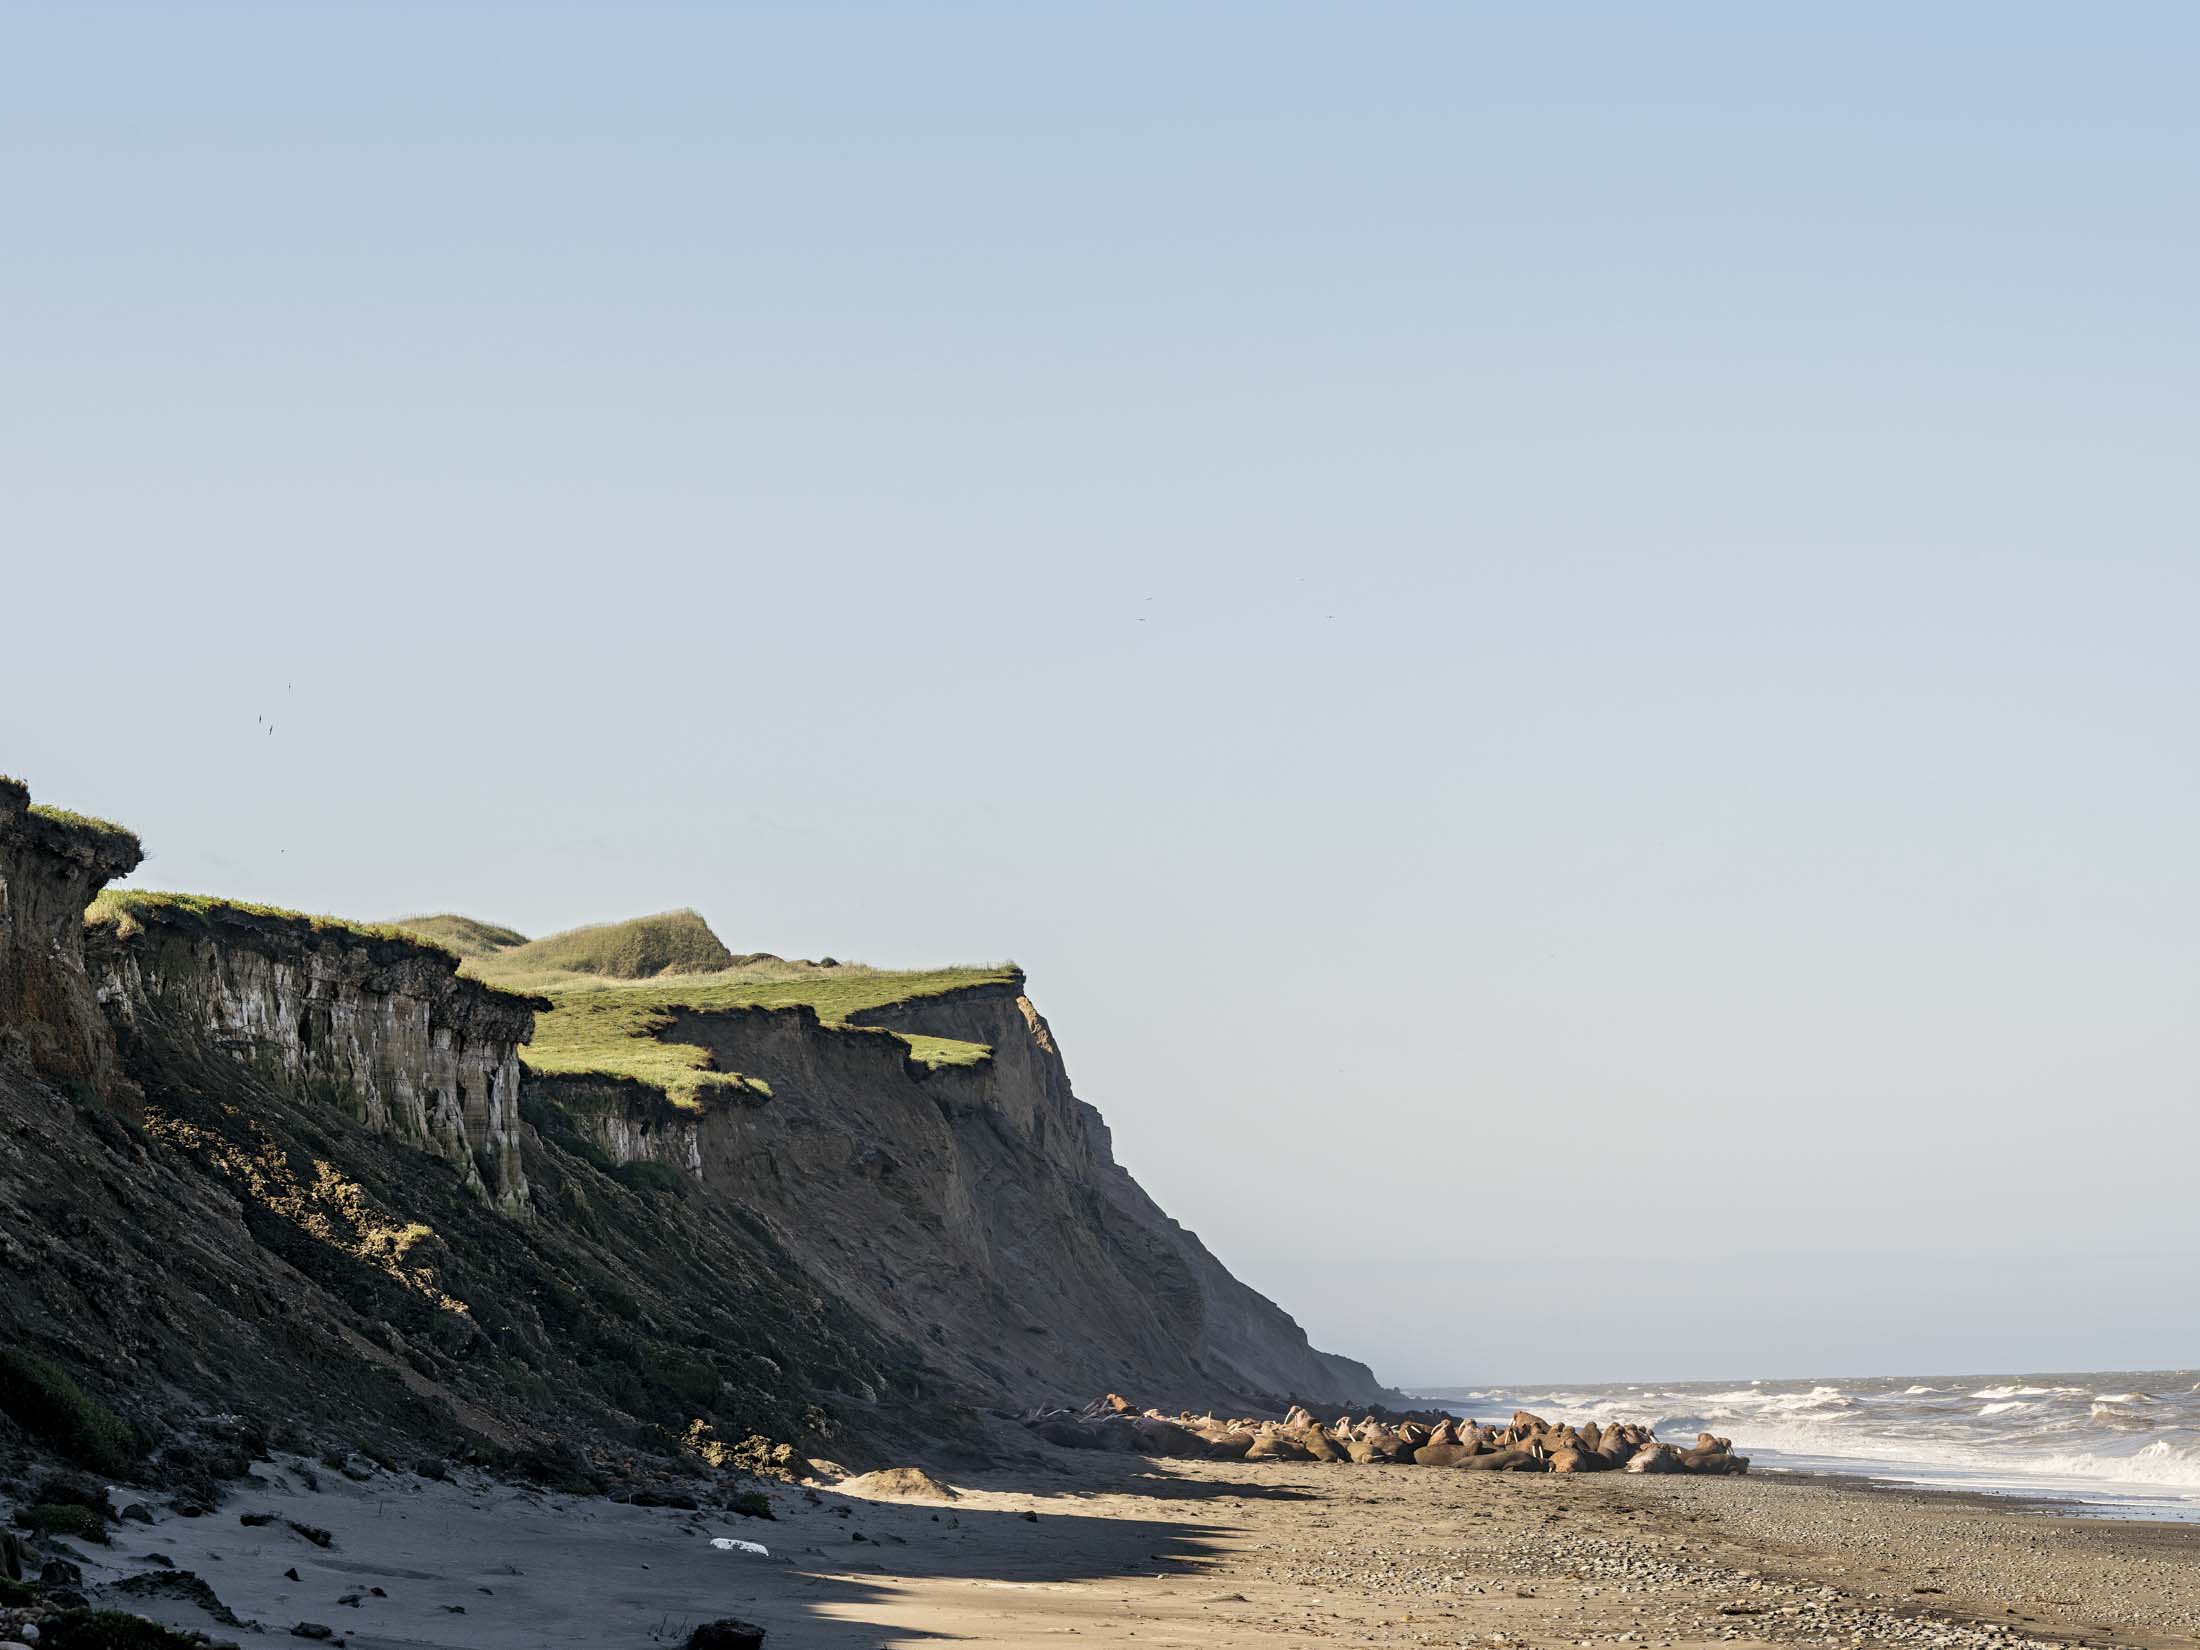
point(1526, 1443)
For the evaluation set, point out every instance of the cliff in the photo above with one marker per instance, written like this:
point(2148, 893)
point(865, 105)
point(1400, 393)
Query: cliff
point(1243, 1341)
point(974, 1208)
point(337, 1205)
point(51, 864)
point(369, 1021)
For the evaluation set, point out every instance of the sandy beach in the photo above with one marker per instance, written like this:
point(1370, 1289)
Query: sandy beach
point(1122, 1551)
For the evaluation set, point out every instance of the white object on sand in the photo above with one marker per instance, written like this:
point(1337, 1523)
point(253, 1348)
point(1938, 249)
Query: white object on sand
point(726, 1544)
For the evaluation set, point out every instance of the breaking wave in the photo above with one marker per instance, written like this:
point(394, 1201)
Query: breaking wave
point(2126, 1442)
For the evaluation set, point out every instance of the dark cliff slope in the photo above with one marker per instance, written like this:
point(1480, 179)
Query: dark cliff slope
point(1240, 1340)
point(300, 1221)
point(51, 863)
point(268, 1175)
point(974, 1208)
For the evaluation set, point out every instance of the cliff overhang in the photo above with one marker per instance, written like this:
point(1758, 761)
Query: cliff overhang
point(368, 1019)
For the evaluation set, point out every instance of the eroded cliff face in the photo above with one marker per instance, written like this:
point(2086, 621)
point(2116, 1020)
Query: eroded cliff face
point(382, 1028)
point(1246, 1341)
point(337, 1204)
point(50, 867)
point(977, 1210)
point(304, 1234)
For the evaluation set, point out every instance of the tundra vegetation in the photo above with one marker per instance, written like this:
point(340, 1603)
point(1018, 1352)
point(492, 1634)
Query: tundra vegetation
point(121, 835)
point(40, 1397)
point(614, 989)
point(128, 908)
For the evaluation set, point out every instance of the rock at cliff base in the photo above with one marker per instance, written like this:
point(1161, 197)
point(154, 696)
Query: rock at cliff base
point(727, 1634)
point(902, 1483)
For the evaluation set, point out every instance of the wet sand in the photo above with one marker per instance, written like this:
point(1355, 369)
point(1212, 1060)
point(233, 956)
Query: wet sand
point(1126, 1552)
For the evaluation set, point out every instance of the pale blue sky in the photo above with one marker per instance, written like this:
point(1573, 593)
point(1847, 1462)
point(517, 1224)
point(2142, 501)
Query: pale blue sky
point(1564, 637)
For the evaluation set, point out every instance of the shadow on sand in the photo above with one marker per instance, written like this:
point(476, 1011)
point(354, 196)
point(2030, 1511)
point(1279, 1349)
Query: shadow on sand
point(857, 1565)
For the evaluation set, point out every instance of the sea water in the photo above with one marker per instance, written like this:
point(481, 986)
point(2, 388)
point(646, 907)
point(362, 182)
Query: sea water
point(2122, 1444)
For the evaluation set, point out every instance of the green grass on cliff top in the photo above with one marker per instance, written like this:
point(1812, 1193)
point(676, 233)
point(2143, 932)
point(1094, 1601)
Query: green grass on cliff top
point(129, 909)
point(603, 1022)
point(612, 1028)
point(85, 822)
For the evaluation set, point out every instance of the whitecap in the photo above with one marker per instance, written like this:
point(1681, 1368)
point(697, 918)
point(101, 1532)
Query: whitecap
point(2007, 1406)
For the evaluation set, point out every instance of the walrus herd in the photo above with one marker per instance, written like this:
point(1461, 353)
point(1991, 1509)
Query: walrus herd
point(1527, 1444)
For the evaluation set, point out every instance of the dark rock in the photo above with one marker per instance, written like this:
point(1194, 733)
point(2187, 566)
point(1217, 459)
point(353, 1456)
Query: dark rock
point(60, 1490)
point(50, 1518)
point(137, 1512)
point(727, 1634)
point(59, 1572)
point(183, 1585)
point(82, 1628)
point(312, 1630)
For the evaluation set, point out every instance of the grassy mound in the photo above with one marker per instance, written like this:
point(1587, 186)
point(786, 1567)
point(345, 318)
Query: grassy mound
point(672, 942)
point(466, 936)
point(614, 1030)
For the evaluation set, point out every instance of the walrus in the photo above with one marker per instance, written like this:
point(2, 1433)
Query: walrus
point(1277, 1446)
point(1442, 1455)
point(1655, 1458)
point(1167, 1438)
point(1517, 1458)
point(1085, 1435)
point(1381, 1444)
point(1320, 1445)
point(1713, 1460)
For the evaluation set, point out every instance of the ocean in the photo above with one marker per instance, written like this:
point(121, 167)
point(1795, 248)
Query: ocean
point(2120, 1444)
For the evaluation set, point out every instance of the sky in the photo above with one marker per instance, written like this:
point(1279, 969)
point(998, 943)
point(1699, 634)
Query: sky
point(1562, 635)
